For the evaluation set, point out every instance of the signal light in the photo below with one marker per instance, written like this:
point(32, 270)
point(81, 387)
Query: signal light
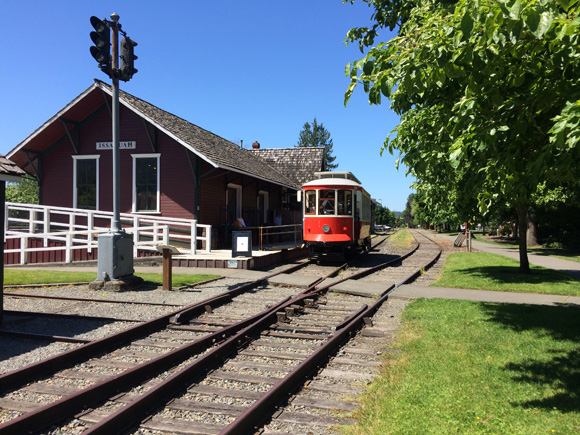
point(101, 51)
point(127, 59)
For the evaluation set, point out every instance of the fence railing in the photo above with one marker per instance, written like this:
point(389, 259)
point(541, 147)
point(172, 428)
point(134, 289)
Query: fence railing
point(280, 234)
point(79, 229)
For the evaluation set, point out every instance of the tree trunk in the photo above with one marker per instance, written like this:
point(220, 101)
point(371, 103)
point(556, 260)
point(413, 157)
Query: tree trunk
point(522, 227)
point(532, 238)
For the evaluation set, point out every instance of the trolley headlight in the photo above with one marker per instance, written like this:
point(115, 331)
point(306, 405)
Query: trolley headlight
point(326, 228)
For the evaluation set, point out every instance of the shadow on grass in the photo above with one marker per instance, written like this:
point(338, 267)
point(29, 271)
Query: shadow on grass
point(511, 275)
point(560, 373)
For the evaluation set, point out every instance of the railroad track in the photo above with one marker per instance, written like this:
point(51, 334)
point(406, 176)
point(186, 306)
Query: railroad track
point(209, 368)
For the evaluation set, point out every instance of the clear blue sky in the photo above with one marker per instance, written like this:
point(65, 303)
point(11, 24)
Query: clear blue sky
point(251, 70)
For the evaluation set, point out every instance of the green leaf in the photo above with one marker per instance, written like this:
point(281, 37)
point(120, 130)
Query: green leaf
point(546, 21)
point(515, 9)
point(368, 67)
point(467, 24)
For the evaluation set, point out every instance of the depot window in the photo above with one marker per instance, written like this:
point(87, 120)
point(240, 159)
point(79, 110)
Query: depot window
point(86, 182)
point(146, 183)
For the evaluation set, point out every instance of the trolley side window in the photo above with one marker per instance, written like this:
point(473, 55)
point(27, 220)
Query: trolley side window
point(310, 202)
point(326, 202)
point(344, 202)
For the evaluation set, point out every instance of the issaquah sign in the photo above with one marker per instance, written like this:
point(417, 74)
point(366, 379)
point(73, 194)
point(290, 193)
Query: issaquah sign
point(126, 145)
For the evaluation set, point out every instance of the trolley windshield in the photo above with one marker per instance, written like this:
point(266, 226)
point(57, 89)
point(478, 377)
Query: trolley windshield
point(328, 202)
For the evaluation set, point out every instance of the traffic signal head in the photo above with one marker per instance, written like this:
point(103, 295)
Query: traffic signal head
point(127, 58)
point(101, 51)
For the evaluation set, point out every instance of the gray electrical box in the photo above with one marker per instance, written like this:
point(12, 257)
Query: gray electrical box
point(115, 256)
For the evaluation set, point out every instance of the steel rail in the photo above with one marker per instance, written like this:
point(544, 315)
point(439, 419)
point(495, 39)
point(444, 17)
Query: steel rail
point(263, 408)
point(69, 316)
point(140, 408)
point(188, 313)
point(105, 301)
point(18, 378)
point(67, 406)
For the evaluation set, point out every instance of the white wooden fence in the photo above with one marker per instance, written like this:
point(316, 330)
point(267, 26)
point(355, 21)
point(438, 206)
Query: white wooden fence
point(79, 229)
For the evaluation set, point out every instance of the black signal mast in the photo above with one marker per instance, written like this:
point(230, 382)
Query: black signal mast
point(115, 260)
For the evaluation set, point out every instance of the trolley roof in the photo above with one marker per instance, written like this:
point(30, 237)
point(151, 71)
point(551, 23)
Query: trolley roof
point(337, 174)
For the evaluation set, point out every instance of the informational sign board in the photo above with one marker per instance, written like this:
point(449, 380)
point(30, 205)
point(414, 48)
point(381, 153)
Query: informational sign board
point(242, 244)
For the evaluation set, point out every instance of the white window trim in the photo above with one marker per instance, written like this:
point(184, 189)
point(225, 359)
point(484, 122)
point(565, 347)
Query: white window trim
point(238, 189)
point(134, 187)
point(85, 157)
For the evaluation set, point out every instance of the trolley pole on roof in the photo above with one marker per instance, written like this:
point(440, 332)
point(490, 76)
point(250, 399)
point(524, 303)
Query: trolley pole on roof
point(115, 254)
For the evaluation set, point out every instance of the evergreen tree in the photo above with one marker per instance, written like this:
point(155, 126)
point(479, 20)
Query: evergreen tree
point(316, 135)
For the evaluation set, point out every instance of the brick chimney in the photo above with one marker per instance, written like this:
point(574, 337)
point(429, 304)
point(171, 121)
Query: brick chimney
point(256, 145)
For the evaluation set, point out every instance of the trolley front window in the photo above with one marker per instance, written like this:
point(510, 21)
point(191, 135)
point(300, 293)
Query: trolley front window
point(310, 202)
point(344, 202)
point(326, 202)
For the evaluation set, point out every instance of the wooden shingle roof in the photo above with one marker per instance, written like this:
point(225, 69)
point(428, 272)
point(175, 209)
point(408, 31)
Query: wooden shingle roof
point(9, 171)
point(299, 163)
point(214, 149)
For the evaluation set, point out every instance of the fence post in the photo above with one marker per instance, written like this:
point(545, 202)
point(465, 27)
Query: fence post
point(165, 235)
point(23, 248)
point(208, 238)
point(46, 226)
point(68, 251)
point(136, 222)
point(71, 222)
point(90, 232)
point(6, 215)
point(31, 220)
point(194, 237)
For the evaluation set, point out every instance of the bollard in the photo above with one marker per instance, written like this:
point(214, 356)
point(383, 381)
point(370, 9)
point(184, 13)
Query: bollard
point(167, 252)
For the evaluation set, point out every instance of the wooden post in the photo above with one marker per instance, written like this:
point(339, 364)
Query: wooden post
point(167, 252)
point(167, 269)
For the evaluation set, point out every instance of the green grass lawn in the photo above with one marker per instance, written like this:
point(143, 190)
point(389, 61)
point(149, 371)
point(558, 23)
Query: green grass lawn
point(478, 368)
point(22, 277)
point(484, 271)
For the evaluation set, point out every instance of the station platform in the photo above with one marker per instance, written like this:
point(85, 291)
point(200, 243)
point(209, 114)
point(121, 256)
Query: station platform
point(223, 259)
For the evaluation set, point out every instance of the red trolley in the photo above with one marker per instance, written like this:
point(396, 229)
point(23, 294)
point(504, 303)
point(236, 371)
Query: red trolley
point(337, 216)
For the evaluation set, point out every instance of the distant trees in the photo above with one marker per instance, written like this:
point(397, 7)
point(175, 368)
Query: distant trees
point(24, 192)
point(384, 216)
point(316, 135)
point(488, 97)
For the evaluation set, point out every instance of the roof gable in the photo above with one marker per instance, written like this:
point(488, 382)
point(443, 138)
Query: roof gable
point(212, 148)
point(299, 163)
